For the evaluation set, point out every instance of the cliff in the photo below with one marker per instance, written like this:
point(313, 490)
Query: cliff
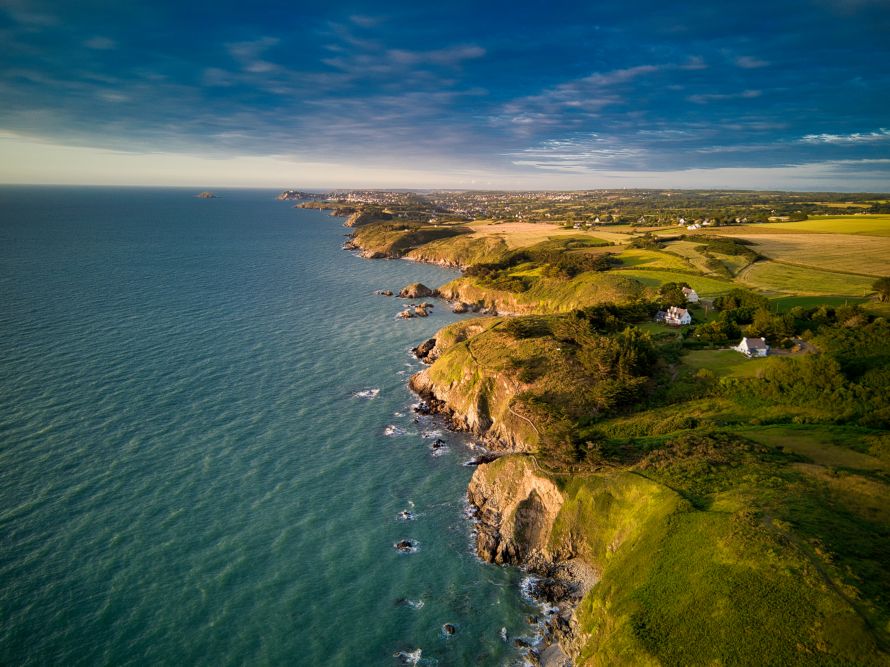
point(546, 295)
point(471, 382)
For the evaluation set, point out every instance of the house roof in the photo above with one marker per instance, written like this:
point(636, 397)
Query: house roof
point(754, 343)
point(688, 290)
point(676, 311)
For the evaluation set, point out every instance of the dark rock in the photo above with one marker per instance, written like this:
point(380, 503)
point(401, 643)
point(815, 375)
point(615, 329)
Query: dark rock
point(449, 629)
point(406, 314)
point(404, 546)
point(384, 292)
point(420, 311)
point(423, 350)
point(438, 444)
point(532, 620)
point(482, 458)
point(459, 307)
point(520, 643)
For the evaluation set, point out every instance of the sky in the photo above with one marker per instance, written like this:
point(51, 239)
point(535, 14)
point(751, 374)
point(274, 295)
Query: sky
point(787, 94)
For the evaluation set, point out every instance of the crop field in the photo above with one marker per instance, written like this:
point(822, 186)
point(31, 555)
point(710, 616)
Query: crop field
point(778, 277)
point(868, 225)
point(866, 255)
point(524, 234)
point(704, 285)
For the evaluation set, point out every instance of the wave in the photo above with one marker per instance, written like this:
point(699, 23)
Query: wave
point(369, 393)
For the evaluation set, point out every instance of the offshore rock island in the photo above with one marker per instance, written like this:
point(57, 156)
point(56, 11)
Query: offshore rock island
point(689, 398)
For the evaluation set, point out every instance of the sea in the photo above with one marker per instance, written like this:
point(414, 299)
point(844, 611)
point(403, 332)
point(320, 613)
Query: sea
point(207, 442)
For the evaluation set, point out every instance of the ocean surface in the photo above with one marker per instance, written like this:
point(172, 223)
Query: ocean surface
point(206, 441)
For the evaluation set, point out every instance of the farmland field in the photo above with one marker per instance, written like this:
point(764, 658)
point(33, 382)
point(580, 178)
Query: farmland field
point(777, 277)
point(523, 234)
point(868, 225)
point(652, 259)
point(866, 255)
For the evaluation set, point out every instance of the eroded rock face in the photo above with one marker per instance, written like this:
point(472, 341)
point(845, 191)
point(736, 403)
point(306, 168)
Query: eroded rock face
point(424, 351)
point(516, 510)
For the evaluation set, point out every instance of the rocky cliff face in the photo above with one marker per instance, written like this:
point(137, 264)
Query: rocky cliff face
point(478, 403)
point(516, 509)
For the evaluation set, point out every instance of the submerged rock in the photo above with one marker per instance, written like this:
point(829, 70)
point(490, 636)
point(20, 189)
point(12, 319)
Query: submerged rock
point(405, 546)
point(449, 629)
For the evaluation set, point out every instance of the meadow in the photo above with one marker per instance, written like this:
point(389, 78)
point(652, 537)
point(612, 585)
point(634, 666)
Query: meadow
point(860, 254)
point(778, 277)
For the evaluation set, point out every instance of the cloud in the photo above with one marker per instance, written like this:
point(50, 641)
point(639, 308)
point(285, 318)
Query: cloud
point(100, 43)
point(750, 62)
point(249, 54)
point(584, 154)
point(706, 98)
point(882, 134)
point(450, 56)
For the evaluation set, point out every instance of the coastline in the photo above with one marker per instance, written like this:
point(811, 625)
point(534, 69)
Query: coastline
point(555, 582)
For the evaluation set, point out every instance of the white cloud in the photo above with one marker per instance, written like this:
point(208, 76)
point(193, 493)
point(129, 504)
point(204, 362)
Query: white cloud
point(882, 134)
point(705, 98)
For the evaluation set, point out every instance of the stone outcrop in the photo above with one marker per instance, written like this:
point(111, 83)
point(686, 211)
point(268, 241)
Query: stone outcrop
point(424, 351)
point(516, 509)
point(359, 218)
point(416, 291)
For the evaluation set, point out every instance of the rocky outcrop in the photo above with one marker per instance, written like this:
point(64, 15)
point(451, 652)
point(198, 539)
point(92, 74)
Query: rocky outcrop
point(424, 351)
point(206, 195)
point(416, 291)
point(516, 508)
point(359, 218)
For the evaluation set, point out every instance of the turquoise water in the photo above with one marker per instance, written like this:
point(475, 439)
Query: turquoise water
point(186, 475)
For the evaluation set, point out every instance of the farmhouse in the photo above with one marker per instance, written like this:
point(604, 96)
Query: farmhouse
point(677, 316)
point(690, 294)
point(753, 347)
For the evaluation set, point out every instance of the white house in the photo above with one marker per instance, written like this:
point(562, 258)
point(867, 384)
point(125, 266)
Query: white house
point(753, 347)
point(690, 294)
point(677, 316)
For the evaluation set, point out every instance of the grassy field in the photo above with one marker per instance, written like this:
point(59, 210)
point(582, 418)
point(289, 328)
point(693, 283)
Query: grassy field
point(860, 254)
point(652, 259)
point(693, 258)
point(869, 225)
point(704, 285)
point(785, 303)
point(524, 234)
point(778, 277)
point(824, 445)
point(724, 363)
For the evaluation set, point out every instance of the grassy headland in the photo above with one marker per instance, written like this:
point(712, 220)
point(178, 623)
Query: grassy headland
point(735, 510)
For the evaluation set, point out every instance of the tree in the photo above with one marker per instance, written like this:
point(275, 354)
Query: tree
point(882, 287)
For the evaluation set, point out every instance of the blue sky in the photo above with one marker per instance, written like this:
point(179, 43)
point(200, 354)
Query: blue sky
point(453, 94)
